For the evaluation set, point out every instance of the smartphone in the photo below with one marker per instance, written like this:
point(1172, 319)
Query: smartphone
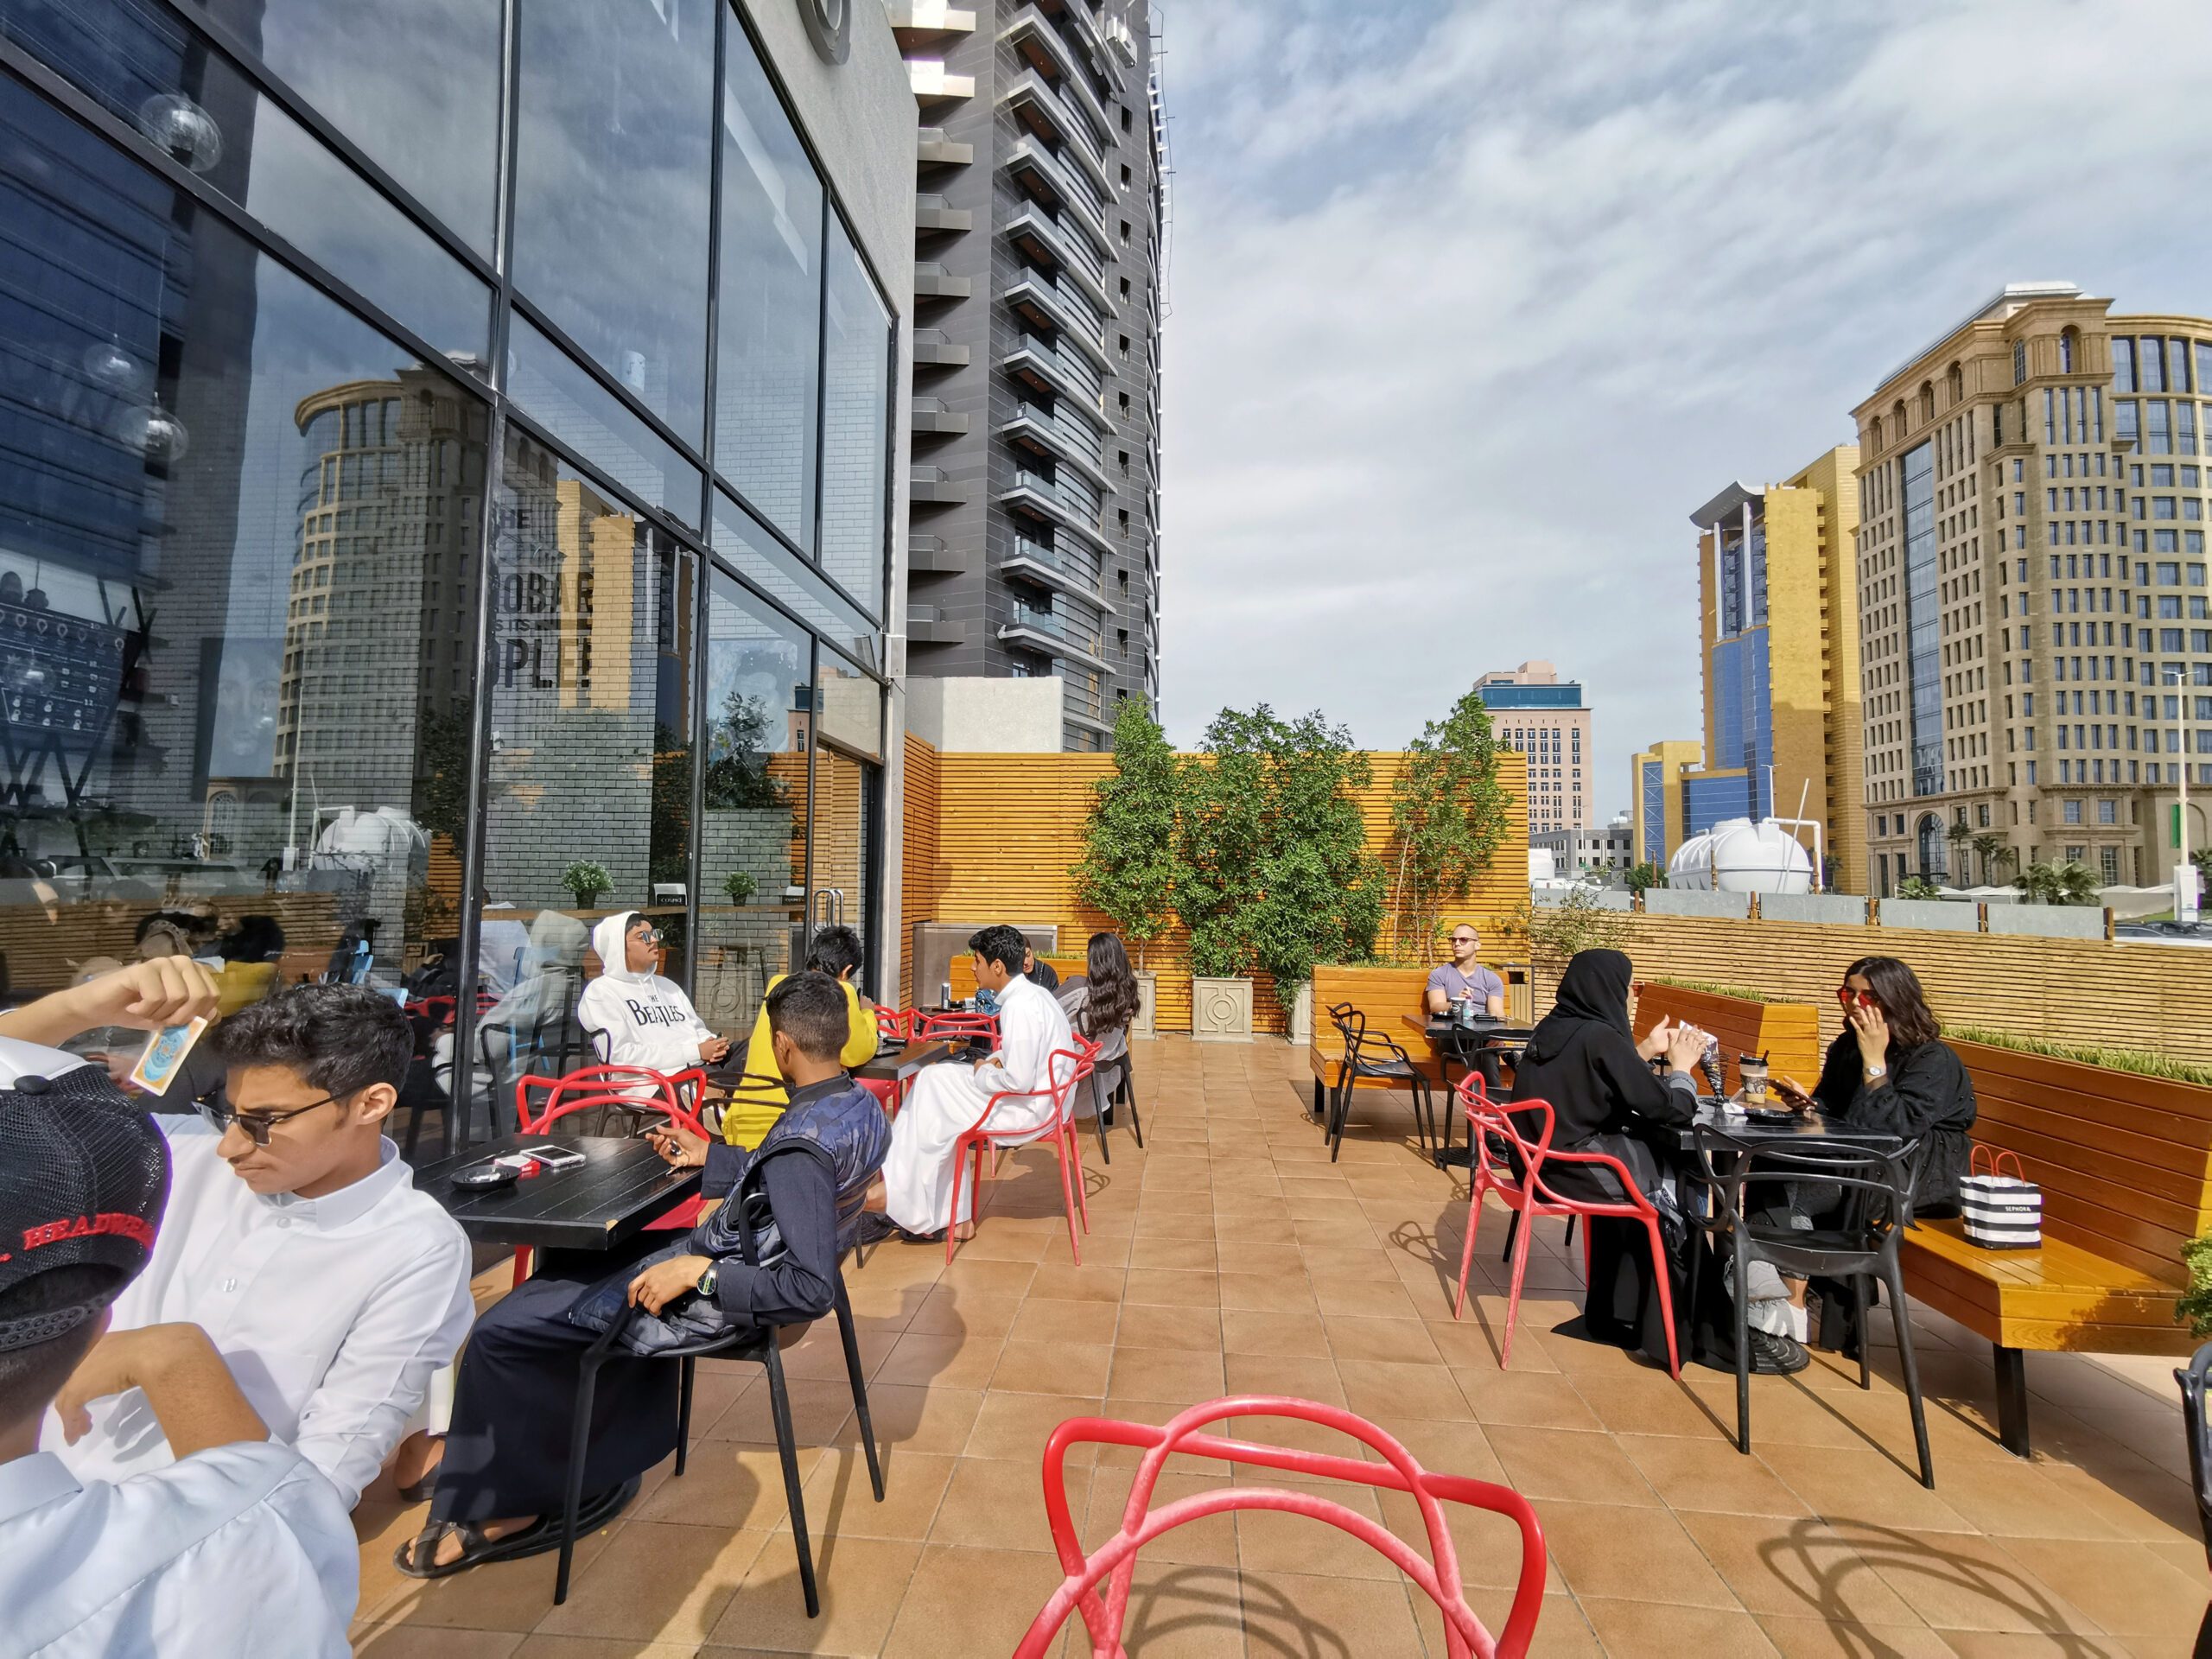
point(551, 1154)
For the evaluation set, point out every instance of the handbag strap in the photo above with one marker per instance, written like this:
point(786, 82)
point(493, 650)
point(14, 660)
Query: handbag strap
point(1997, 1157)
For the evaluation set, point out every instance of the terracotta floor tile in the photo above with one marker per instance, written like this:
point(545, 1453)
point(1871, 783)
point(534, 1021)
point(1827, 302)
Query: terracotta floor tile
point(658, 1582)
point(1564, 1463)
point(841, 1503)
point(1344, 1617)
point(990, 1278)
point(1198, 1329)
point(1178, 1611)
point(994, 1504)
point(1653, 1403)
point(1231, 1231)
point(1178, 1376)
point(1175, 1255)
point(1654, 1627)
point(726, 1483)
point(955, 1311)
point(1963, 1580)
point(1274, 1541)
point(1821, 1638)
point(1148, 1288)
point(1372, 1389)
point(962, 1602)
point(926, 1360)
point(1478, 1335)
point(2010, 1645)
point(1290, 1335)
point(1562, 1632)
point(1398, 1341)
point(1802, 1566)
point(1537, 1399)
point(1054, 1368)
point(1268, 1293)
point(2129, 1589)
point(1861, 1486)
point(1015, 1426)
point(1209, 1542)
point(862, 1582)
point(1300, 1378)
point(600, 1647)
point(1060, 1282)
point(1339, 1265)
point(1045, 1318)
point(2010, 1498)
point(427, 1641)
point(1616, 1551)
point(920, 1420)
point(1364, 1298)
point(1174, 1224)
point(1710, 1475)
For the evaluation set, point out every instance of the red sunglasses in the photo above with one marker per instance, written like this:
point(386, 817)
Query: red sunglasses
point(1845, 995)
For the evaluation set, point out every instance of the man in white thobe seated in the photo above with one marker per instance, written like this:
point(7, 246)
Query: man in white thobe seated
point(947, 1099)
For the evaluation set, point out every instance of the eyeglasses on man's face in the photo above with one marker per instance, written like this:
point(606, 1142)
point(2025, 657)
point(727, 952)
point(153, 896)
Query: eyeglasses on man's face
point(1464, 939)
point(220, 1115)
point(647, 936)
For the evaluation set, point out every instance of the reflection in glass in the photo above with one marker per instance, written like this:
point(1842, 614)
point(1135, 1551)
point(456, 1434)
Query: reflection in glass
point(589, 786)
point(611, 188)
point(775, 570)
point(851, 706)
point(753, 841)
point(234, 651)
point(768, 326)
point(555, 390)
point(844, 816)
point(144, 65)
point(855, 397)
point(415, 83)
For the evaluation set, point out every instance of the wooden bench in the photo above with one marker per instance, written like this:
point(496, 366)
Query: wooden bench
point(2125, 1163)
point(1788, 1034)
point(1384, 995)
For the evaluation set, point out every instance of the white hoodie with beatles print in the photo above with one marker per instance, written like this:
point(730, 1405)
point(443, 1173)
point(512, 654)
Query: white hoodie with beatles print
point(645, 1019)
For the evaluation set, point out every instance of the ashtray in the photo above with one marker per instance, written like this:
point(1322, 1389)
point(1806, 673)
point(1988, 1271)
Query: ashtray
point(1767, 1113)
point(481, 1178)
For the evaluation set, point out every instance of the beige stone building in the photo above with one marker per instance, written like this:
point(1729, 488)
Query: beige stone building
point(1544, 717)
point(2035, 641)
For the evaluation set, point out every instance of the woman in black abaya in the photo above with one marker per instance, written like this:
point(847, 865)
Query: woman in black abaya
point(1605, 1097)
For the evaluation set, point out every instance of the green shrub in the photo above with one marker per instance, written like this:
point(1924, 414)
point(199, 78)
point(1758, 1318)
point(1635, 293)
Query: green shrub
point(2134, 1060)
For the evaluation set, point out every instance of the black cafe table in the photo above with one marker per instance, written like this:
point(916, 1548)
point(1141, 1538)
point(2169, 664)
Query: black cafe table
point(898, 1064)
point(1799, 1129)
point(1459, 1044)
point(622, 1185)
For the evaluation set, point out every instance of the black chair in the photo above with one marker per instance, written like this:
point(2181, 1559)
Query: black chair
point(1876, 1186)
point(1123, 1093)
point(762, 1346)
point(2192, 1380)
point(1372, 1054)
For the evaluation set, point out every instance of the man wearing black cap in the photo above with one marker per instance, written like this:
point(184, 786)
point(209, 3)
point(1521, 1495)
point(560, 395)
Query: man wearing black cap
point(239, 1545)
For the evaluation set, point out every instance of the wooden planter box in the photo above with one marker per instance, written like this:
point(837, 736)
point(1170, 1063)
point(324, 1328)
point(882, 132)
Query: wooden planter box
point(1221, 1010)
point(1147, 1021)
point(1788, 1034)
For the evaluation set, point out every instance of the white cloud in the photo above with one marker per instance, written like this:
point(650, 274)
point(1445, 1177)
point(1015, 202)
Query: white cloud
point(1474, 304)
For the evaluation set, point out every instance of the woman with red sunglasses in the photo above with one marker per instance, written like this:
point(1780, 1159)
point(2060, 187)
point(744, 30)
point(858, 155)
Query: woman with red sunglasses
point(1891, 1071)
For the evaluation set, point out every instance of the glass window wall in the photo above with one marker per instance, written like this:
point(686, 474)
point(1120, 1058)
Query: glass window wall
point(237, 543)
point(855, 435)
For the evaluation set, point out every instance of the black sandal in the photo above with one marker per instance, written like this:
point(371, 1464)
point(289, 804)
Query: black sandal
point(542, 1536)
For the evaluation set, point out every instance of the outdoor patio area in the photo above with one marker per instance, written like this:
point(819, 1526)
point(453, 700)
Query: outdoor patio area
point(1233, 1256)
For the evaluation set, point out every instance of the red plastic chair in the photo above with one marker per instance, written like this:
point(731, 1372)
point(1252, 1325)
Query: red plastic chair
point(958, 1027)
point(1465, 1636)
point(606, 1085)
point(1060, 1131)
point(897, 1025)
point(1529, 1196)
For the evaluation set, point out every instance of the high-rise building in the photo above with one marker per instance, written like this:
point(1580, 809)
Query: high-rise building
point(2036, 638)
point(1533, 710)
point(1778, 639)
point(1655, 824)
point(1040, 259)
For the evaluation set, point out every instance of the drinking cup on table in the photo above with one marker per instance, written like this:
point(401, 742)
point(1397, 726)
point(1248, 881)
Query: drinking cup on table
point(1752, 1070)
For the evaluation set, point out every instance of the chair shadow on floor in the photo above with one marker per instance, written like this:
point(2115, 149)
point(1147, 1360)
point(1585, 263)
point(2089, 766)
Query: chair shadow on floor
point(1825, 1554)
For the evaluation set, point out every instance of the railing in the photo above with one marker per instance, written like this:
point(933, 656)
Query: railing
point(1057, 625)
point(1086, 377)
point(1077, 563)
point(1075, 436)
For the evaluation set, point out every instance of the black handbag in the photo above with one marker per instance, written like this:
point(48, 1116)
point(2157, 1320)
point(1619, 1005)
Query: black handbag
point(743, 1228)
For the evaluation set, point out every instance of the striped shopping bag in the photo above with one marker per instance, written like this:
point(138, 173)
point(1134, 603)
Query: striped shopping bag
point(2003, 1212)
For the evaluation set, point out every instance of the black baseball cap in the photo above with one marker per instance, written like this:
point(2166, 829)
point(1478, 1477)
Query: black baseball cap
point(83, 1184)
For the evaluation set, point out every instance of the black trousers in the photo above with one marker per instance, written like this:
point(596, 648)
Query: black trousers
point(1620, 1304)
point(514, 1401)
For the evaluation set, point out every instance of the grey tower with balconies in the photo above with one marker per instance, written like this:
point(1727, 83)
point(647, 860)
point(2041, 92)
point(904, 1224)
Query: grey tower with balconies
point(1040, 255)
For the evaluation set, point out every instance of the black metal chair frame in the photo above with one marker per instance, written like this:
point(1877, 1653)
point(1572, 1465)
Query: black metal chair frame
point(2192, 1378)
point(759, 1345)
point(1124, 1093)
point(1878, 1183)
point(1397, 1067)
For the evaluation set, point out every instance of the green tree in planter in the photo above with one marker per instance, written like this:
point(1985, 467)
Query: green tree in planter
point(1918, 887)
point(2070, 883)
point(1131, 864)
point(1277, 876)
point(1449, 815)
point(1641, 878)
point(1554, 935)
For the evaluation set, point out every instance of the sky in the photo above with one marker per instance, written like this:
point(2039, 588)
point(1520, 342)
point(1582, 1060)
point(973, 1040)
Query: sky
point(1473, 304)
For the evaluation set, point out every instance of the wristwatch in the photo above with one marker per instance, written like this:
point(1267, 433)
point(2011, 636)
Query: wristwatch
point(1874, 1071)
point(706, 1285)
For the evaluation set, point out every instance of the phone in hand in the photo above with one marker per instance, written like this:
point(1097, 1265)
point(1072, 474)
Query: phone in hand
point(1792, 1093)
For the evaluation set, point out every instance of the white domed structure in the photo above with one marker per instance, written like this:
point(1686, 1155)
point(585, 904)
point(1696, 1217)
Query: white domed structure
point(1737, 855)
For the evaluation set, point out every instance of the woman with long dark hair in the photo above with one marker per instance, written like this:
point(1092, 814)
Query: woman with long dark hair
point(1891, 1071)
point(1100, 1003)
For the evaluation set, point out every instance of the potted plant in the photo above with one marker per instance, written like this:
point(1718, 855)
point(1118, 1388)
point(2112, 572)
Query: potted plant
point(1131, 864)
point(1554, 934)
point(1277, 876)
point(1449, 813)
point(740, 886)
point(586, 881)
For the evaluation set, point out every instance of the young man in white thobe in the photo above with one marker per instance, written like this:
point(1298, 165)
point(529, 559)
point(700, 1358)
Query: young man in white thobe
point(948, 1099)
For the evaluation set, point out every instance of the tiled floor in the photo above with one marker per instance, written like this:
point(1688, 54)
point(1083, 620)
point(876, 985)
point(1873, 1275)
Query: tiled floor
point(1233, 1256)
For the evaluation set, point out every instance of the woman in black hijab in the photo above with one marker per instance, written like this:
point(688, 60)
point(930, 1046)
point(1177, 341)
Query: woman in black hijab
point(1605, 1097)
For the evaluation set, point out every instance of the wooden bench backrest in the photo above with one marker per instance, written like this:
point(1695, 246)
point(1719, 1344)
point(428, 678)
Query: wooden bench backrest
point(1383, 995)
point(1788, 1034)
point(2125, 1161)
point(963, 972)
